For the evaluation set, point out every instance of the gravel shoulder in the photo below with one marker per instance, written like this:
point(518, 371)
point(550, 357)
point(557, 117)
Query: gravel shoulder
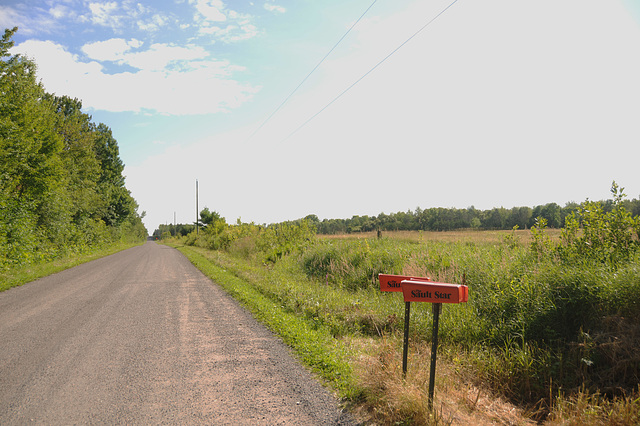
point(143, 337)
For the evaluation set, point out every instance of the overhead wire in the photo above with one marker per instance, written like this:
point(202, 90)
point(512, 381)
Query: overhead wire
point(311, 72)
point(370, 70)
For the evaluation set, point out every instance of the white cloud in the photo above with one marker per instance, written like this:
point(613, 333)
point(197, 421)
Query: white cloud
point(231, 33)
point(209, 15)
point(274, 8)
point(119, 16)
point(211, 10)
point(156, 22)
point(160, 55)
point(137, 8)
point(156, 58)
point(110, 50)
point(59, 11)
point(104, 14)
point(195, 86)
point(57, 68)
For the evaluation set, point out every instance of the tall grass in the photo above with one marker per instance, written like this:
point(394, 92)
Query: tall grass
point(527, 320)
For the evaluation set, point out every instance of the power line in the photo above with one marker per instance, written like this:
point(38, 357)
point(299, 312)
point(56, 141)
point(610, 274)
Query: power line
point(312, 71)
point(370, 71)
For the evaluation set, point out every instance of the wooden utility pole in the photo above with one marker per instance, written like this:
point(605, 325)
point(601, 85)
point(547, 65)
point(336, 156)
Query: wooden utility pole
point(197, 217)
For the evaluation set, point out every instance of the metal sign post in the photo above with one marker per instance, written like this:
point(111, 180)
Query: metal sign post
point(424, 290)
point(394, 283)
point(434, 350)
point(405, 345)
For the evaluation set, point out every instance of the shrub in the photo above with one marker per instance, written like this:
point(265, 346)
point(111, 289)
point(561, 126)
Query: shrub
point(607, 238)
point(285, 238)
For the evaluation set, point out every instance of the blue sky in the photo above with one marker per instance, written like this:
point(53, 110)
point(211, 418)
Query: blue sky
point(496, 103)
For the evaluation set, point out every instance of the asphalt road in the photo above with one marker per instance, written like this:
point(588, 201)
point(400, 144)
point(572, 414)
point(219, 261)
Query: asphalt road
point(142, 337)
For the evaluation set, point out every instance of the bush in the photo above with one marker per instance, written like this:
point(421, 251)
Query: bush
point(285, 238)
point(607, 238)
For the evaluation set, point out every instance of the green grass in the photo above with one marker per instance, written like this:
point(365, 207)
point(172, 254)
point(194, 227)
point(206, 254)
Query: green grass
point(18, 276)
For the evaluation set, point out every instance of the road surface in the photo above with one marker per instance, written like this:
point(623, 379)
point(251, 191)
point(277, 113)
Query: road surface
point(142, 337)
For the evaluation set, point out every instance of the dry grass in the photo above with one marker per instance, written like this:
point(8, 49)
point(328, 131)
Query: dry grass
point(592, 409)
point(460, 236)
point(392, 399)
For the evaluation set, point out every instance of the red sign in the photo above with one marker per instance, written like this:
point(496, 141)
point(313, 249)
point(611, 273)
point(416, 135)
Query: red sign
point(393, 282)
point(432, 292)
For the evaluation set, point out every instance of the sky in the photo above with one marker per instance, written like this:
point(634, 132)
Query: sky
point(284, 108)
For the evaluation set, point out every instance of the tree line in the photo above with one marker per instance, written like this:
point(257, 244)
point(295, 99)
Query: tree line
point(433, 219)
point(448, 219)
point(61, 185)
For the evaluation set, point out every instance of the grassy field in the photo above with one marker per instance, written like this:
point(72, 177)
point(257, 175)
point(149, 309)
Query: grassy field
point(460, 236)
point(539, 341)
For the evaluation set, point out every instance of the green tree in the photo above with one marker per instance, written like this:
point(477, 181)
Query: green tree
point(495, 219)
point(313, 220)
point(30, 165)
point(606, 237)
point(61, 179)
point(520, 217)
point(79, 159)
point(28, 145)
point(208, 217)
point(211, 222)
point(552, 212)
point(119, 204)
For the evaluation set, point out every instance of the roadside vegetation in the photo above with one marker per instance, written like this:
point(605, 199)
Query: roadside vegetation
point(16, 276)
point(62, 192)
point(550, 333)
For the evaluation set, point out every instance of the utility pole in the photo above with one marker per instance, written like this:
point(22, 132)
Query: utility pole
point(197, 207)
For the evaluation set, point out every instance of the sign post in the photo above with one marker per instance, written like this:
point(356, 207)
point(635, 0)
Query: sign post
point(394, 283)
point(424, 290)
point(405, 345)
point(434, 350)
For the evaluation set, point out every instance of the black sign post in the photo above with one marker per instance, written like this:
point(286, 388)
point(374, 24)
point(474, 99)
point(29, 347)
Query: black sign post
point(434, 350)
point(424, 290)
point(405, 346)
